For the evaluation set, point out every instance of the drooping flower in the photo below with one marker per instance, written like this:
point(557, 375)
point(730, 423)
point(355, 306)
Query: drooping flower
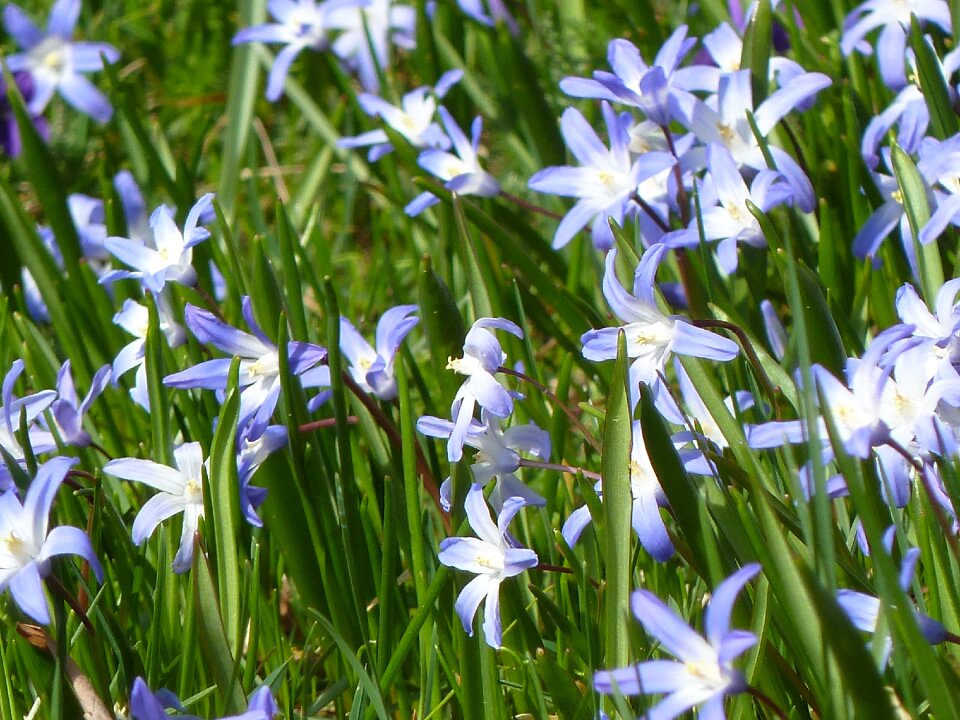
point(251, 453)
point(26, 547)
point(491, 556)
point(703, 674)
point(497, 456)
point(606, 181)
point(371, 368)
point(55, 63)
point(181, 490)
point(68, 409)
point(482, 356)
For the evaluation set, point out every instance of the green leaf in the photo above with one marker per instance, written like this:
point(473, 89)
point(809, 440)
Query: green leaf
point(913, 192)
point(757, 41)
point(225, 502)
point(617, 501)
point(935, 89)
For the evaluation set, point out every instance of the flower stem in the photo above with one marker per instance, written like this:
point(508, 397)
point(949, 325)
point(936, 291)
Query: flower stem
point(520, 202)
point(560, 468)
point(768, 701)
point(566, 411)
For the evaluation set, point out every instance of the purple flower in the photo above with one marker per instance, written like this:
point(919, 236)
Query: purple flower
point(251, 453)
point(863, 610)
point(10, 140)
point(372, 369)
point(702, 674)
point(55, 63)
point(607, 180)
point(135, 319)
point(477, 9)
point(181, 490)
point(461, 173)
point(259, 364)
point(651, 88)
point(25, 545)
point(730, 221)
point(491, 557)
point(651, 335)
point(30, 408)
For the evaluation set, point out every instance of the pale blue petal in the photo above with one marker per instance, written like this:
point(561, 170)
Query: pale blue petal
point(81, 93)
point(27, 591)
point(663, 623)
point(68, 540)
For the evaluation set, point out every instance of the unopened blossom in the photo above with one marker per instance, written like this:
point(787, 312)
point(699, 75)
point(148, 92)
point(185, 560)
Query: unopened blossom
point(703, 674)
point(26, 546)
point(461, 173)
point(372, 368)
point(181, 491)
point(55, 62)
point(491, 556)
point(606, 181)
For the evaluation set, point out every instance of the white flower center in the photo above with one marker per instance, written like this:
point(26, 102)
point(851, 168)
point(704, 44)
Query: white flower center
point(266, 365)
point(467, 365)
point(17, 548)
point(49, 54)
point(193, 491)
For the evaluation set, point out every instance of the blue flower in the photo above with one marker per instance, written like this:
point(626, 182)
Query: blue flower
point(68, 410)
point(181, 490)
point(893, 16)
point(147, 705)
point(651, 335)
point(25, 545)
point(371, 368)
point(30, 408)
point(497, 456)
point(461, 173)
point(413, 119)
point(607, 180)
point(259, 364)
point(703, 674)
point(491, 557)
point(725, 122)
point(651, 88)
point(170, 257)
point(300, 24)
point(368, 27)
point(55, 63)
point(482, 357)
point(251, 453)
